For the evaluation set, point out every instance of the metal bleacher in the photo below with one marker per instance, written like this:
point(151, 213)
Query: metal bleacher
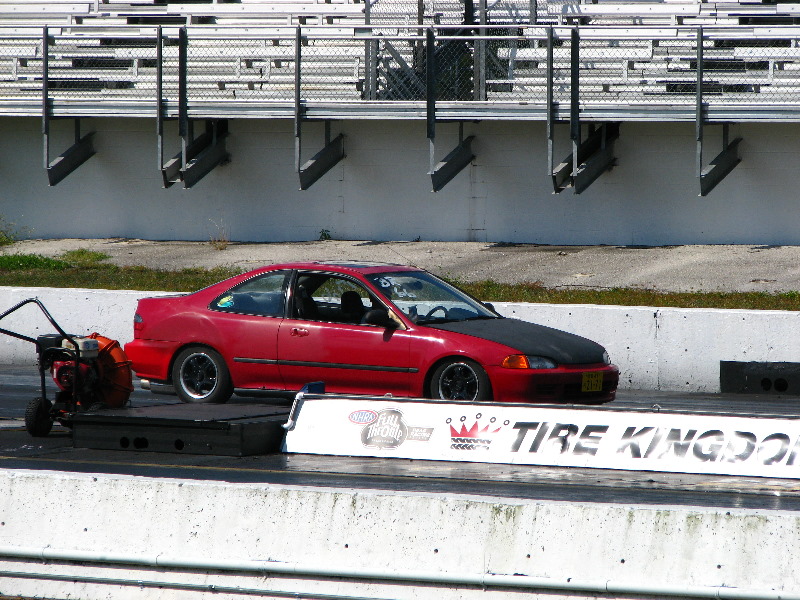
point(637, 59)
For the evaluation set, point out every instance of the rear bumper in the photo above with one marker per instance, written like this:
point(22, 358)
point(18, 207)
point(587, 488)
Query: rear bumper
point(150, 359)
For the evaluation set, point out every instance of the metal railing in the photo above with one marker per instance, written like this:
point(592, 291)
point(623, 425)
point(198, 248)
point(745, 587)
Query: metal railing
point(492, 71)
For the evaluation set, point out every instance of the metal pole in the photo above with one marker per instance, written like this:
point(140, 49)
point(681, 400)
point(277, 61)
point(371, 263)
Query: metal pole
point(159, 97)
point(45, 94)
point(260, 567)
point(574, 114)
point(550, 107)
point(430, 91)
point(297, 103)
point(699, 102)
point(480, 78)
point(183, 101)
point(368, 56)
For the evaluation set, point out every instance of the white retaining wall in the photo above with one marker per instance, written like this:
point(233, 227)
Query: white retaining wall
point(655, 348)
point(381, 190)
point(615, 545)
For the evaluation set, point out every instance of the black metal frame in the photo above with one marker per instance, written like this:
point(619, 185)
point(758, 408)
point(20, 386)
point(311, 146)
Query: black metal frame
point(461, 156)
point(198, 155)
point(323, 161)
point(588, 159)
point(73, 353)
point(81, 150)
point(726, 160)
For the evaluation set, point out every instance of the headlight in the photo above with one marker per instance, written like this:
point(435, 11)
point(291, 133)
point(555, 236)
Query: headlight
point(520, 361)
point(540, 362)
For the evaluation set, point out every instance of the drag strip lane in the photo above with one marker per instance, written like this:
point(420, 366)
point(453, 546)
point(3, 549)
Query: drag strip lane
point(55, 452)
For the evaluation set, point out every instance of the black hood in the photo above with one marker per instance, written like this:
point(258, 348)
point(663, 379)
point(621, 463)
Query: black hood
point(530, 339)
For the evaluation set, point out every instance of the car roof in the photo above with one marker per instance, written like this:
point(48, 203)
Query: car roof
point(341, 266)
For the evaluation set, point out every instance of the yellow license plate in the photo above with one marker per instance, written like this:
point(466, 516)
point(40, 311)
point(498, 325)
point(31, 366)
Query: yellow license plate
point(592, 382)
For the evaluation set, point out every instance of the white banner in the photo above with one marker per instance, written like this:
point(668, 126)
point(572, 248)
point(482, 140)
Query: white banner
point(605, 439)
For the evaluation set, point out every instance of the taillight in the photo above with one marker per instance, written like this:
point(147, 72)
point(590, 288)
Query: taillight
point(138, 322)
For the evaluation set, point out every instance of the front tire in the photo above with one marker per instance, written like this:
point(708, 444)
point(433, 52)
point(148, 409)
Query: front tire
point(460, 379)
point(37, 417)
point(200, 375)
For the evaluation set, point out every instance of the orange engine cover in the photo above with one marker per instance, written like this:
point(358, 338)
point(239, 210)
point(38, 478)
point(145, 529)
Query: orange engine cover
point(114, 369)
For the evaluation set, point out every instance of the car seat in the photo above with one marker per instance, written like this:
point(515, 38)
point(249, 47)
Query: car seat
point(304, 305)
point(351, 307)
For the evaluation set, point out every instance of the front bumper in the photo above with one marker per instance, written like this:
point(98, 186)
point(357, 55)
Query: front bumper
point(563, 384)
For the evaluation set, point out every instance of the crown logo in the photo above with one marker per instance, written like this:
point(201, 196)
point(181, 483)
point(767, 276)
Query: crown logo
point(474, 438)
point(472, 432)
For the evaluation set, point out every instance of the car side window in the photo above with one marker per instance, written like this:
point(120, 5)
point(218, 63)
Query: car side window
point(264, 295)
point(320, 297)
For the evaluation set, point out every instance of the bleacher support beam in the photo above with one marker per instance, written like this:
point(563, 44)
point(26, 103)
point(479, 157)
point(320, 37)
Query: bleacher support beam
point(461, 156)
point(722, 164)
point(590, 158)
point(725, 161)
point(452, 164)
point(72, 158)
point(595, 155)
point(323, 161)
point(199, 156)
point(80, 151)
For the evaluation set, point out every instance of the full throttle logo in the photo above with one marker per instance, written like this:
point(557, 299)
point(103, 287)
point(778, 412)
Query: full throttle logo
point(389, 430)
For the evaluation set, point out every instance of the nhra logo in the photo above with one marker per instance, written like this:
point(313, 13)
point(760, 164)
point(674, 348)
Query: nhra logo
point(476, 437)
point(363, 417)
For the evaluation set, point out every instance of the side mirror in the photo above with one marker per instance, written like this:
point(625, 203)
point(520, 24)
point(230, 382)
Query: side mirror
point(490, 306)
point(379, 317)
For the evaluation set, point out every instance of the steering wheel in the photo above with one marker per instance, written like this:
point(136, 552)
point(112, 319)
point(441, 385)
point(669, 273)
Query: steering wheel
point(434, 309)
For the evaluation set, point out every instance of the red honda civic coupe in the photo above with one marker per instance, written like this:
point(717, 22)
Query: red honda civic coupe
point(361, 328)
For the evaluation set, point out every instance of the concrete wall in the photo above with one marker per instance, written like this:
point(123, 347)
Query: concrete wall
point(655, 348)
point(615, 545)
point(382, 191)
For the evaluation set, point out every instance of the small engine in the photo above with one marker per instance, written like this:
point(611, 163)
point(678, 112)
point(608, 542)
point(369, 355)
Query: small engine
point(90, 372)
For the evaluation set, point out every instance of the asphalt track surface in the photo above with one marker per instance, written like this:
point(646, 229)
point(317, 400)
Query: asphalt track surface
point(20, 451)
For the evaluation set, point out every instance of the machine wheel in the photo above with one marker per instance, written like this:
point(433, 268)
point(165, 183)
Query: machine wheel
point(460, 379)
point(37, 417)
point(200, 375)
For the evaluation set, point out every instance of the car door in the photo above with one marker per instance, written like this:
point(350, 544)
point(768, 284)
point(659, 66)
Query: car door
point(248, 319)
point(324, 340)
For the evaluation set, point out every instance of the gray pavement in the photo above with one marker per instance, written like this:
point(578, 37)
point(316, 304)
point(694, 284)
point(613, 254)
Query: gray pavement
point(664, 268)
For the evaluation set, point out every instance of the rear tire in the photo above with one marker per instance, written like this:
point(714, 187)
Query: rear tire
point(460, 379)
point(200, 375)
point(37, 417)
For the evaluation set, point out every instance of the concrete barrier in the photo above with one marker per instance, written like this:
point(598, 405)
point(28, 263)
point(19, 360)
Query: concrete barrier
point(383, 543)
point(656, 348)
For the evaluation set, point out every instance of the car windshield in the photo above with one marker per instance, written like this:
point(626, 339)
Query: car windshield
point(424, 298)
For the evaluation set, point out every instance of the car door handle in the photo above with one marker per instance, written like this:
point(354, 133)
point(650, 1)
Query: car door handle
point(298, 332)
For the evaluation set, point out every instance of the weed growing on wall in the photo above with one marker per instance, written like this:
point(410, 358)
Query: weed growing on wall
point(8, 232)
point(220, 237)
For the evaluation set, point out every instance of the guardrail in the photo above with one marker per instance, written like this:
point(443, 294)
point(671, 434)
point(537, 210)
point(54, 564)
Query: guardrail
point(459, 72)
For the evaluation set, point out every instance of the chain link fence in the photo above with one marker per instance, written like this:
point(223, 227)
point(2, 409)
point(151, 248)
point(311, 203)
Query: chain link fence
point(491, 64)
